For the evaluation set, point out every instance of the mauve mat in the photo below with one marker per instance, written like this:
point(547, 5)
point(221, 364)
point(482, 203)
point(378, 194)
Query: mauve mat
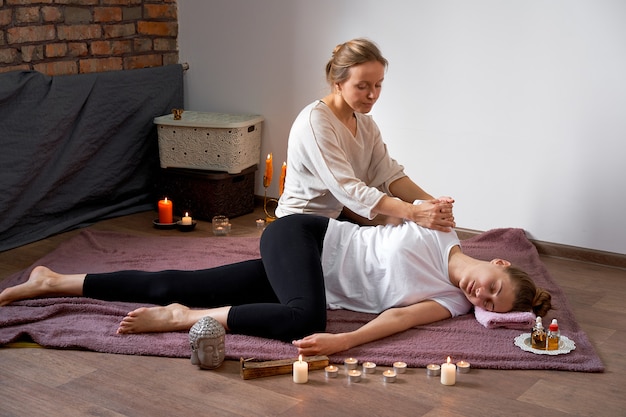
point(83, 323)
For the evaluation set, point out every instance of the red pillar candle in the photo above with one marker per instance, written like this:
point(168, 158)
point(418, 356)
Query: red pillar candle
point(166, 208)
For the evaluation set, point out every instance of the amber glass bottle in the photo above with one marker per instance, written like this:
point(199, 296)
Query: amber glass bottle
point(554, 335)
point(538, 336)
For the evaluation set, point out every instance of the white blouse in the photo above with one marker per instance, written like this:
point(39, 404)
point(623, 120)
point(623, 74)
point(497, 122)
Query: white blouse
point(329, 168)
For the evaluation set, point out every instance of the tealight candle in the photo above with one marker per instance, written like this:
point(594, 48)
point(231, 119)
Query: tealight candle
point(300, 371)
point(354, 375)
point(260, 223)
point(166, 208)
point(399, 367)
point(433, 370)
point(331, 371)
point(462, 367)
point(389, 375)
point(186, 220)
point(369, 368)
point(350, 363)
point(448, 373)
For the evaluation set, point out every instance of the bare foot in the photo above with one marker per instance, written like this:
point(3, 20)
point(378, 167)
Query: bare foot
point(41, 282)
point(170, 318)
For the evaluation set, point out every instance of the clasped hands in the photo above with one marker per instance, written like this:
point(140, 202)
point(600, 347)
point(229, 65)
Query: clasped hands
point(436, 214)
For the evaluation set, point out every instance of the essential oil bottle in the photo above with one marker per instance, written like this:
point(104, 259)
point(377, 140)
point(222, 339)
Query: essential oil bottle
point(538, 336)
point(554, 335)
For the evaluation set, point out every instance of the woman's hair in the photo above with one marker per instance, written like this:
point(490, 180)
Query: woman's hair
point(528, 295)
point(346, 55)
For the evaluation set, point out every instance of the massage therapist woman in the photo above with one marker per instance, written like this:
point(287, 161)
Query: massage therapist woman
point(338, 164)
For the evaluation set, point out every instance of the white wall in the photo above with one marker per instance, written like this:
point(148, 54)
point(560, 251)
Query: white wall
point(517, 109)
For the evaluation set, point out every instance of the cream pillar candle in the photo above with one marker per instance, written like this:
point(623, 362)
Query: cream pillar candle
point(186, 220)
point(300, 371)
point(448, 373)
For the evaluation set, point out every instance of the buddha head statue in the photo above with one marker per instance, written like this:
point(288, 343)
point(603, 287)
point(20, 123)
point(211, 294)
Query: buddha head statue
point(206, 338)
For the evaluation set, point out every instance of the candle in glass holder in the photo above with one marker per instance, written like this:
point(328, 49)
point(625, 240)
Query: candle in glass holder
point(221, 225)
point(448, 373)
point(300, 371)
point(166, 210)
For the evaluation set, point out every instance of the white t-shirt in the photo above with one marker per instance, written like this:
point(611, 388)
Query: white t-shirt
point(371, 269)
point(329, 168)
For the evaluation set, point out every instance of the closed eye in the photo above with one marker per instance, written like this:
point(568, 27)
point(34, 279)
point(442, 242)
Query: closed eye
point(497, 293)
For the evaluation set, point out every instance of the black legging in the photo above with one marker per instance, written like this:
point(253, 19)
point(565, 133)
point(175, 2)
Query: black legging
point(280, 296)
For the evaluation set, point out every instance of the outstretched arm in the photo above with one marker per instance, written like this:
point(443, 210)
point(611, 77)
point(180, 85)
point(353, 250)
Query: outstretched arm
point(380, 219)
point(389, 322)
point(433, 213)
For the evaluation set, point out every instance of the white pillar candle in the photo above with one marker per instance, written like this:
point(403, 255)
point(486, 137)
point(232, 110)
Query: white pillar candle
point(389, 375)
point(331, 371)
point(462, 367)
point(433, 370)
point(399, 367)
point(369, 368)
point(448, 373)
point(186, 220)
point(354, 375)
point(350, 363)
point(300, 371)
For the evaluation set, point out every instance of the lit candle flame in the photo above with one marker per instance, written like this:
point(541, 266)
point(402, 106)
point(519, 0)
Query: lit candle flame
point(448, 361)
point(300, 358)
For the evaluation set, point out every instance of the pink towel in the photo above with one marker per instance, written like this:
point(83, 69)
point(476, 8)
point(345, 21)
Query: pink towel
point(518, 320)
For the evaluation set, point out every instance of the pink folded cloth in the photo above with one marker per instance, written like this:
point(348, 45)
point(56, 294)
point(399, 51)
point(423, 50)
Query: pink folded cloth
point(518, 320)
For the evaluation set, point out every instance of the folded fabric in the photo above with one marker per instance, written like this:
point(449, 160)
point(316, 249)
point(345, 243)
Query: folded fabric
point(518, 320)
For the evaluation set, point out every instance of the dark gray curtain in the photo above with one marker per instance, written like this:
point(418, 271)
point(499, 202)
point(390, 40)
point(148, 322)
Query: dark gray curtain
point(76, 149)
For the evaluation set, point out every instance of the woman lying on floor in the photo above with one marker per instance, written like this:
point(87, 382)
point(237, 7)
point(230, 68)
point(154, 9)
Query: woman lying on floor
point(407, 274)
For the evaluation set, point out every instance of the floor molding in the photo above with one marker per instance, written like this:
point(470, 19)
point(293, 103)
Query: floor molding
point(565, 251)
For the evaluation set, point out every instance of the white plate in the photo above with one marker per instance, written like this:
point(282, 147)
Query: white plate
point(566, 345)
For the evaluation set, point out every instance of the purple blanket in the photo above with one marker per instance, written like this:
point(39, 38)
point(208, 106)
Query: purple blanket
point(84, 323)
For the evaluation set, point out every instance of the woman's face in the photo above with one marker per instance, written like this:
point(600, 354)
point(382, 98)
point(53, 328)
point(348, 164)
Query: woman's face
point(362, 88)
point(488, 285)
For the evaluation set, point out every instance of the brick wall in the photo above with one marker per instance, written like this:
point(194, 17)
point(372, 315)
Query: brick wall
point(59, 37)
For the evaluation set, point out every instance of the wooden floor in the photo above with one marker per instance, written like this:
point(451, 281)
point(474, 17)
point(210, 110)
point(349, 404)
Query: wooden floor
point(45, 382)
